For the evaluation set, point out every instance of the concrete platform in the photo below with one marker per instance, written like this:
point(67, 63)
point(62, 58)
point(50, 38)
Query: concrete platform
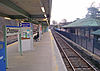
point(44, 57)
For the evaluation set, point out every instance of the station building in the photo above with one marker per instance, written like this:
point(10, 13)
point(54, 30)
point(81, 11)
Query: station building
point(83, 27)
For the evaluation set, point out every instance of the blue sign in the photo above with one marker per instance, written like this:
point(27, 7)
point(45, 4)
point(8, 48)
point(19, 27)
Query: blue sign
point(24, 24)
point(2, 57)
point(12, 26)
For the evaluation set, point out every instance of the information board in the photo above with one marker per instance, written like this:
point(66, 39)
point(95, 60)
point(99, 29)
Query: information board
point(26, 36)
point(12, 30)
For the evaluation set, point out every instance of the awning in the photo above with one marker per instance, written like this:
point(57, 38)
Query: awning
point(85, 22)
point(20, 9)
point(97, 32)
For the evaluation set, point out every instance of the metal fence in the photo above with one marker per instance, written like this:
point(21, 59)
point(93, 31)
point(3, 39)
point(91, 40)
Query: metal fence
point(91, 44)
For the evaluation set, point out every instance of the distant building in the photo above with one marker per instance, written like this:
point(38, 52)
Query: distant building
point(63, 23)
point(85, 26)
point(93, 12)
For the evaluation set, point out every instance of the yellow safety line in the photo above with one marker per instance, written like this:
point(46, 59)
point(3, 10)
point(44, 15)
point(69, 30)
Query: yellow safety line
point(11, 44)
point(52, 47)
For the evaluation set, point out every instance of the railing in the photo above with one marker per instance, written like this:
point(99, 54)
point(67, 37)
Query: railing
point(91, 44)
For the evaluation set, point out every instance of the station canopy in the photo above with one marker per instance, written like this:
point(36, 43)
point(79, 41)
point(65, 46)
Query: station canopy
point(21, 9)
point(97, 32)
point(85, 22)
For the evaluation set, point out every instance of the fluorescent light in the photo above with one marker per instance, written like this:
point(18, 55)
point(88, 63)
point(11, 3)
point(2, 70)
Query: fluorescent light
point(45, 15)
point(42, 8)
point(7, 18)
point(45, 19)
point(22, 21)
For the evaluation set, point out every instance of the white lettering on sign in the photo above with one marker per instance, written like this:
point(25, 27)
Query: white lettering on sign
point(11, 31)
point(24, 24)
point(1, 57)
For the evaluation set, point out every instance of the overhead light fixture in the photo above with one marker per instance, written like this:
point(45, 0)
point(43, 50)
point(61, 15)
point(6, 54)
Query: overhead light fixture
point(22, 21)
point(42, 8)
point(45, 19)
point(7, 18)
point(45, 15)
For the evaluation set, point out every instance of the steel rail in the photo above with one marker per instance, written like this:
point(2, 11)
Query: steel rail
point(89, 66)
point(71, 66)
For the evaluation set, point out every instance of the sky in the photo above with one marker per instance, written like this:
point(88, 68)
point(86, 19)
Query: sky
point(70, 9)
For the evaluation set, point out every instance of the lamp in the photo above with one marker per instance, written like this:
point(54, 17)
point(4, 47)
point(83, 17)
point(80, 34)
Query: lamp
point(7, 18)
point(42, 8)
point(45, 15)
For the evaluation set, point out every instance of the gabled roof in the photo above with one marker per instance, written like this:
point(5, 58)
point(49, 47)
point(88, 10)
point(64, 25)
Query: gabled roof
point(85, 22)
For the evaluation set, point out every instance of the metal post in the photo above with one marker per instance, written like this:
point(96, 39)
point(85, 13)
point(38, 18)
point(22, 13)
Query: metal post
point(81, 40)
point(5, 40)
point(20, 42)
point(93, 45)
point(86, 43)
point(89, 33)
point(42, 28)
point(77, 37)
point(84, 32)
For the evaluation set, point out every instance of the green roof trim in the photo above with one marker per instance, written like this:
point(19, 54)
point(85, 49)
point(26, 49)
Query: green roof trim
point(85, 22)
point(97, 32)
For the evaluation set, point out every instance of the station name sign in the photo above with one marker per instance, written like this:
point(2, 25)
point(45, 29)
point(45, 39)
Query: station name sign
point(12, 30)
point(24, 24)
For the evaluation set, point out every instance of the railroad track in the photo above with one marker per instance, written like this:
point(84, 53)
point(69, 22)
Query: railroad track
point(72, 59)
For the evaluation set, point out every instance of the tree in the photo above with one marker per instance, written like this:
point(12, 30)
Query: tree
point(64, 21)
point(54, 22)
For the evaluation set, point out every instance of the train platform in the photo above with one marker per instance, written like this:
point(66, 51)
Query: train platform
point(44, 57)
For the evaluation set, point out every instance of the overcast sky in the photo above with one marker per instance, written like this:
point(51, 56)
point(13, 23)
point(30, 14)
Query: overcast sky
point(70, 9)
